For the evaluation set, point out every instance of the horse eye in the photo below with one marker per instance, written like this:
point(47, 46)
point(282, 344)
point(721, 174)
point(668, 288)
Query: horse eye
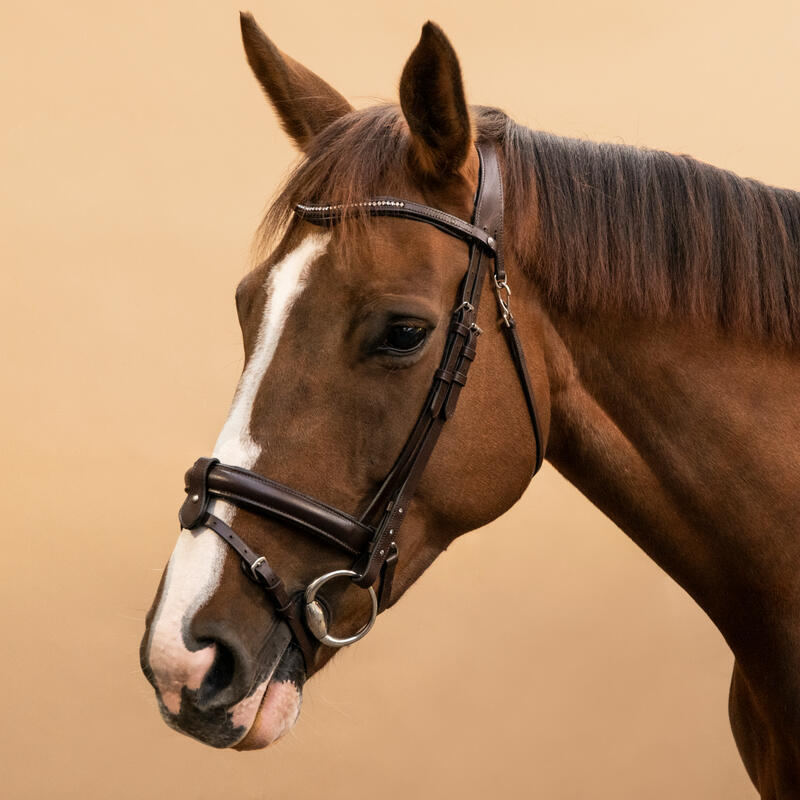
point(403, 338)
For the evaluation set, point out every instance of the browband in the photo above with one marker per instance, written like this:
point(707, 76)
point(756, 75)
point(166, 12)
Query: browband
point(394, 207)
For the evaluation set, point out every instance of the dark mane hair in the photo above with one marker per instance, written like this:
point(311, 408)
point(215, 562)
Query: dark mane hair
point(600, 226)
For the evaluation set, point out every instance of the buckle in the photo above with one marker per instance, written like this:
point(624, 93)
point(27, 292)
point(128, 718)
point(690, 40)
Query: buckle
point(503, 293)
point(254, 568)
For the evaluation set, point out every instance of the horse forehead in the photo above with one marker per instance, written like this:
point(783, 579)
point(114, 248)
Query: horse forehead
point(389, 255)
point(262, 294)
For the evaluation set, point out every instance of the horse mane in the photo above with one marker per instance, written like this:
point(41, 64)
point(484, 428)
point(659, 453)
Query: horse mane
point(599, 227)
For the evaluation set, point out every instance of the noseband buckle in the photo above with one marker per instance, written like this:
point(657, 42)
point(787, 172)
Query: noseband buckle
point(315, 615)
point(254, 567)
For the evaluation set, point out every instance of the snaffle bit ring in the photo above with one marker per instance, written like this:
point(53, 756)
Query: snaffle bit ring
point(315, 616)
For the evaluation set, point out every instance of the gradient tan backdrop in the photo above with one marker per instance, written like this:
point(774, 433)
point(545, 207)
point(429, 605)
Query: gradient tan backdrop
point(137, 155)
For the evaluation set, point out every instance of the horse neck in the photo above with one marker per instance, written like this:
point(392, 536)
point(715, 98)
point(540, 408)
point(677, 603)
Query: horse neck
point(689, 442)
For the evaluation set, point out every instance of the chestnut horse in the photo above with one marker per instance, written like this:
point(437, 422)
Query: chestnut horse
point(658, 300)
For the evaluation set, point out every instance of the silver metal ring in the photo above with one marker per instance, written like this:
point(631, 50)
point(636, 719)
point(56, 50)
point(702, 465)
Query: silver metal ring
point(315, 617)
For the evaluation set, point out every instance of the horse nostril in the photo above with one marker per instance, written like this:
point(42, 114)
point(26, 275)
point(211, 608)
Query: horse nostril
point(210, 665)
point(218, 678)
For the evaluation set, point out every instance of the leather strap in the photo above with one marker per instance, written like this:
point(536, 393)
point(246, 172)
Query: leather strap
point(395, 207)
point(518, 357)
point(449, 379)
point(197, 498)
point(494, 181)
point(264, 496)
point(258, 569)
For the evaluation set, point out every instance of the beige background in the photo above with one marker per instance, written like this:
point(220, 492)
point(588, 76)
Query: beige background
point(137, 155)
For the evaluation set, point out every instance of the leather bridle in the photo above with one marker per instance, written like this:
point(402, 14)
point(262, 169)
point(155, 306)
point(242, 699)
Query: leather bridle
point(373, 539)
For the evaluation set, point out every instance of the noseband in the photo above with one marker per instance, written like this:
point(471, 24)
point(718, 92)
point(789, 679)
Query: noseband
point(373, 539)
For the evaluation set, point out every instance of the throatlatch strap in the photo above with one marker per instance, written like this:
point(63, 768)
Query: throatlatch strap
point(518, 357)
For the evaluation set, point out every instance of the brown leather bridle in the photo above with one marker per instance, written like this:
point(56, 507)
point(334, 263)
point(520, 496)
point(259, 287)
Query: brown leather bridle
point(373, 538)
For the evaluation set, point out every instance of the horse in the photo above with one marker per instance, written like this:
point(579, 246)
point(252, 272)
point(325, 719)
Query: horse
point(656, 304)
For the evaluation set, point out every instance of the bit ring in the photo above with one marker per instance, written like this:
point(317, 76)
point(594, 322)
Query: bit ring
point(315, 616)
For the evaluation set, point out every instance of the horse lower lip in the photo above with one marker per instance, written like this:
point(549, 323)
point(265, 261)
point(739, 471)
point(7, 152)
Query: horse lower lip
point(280, 704)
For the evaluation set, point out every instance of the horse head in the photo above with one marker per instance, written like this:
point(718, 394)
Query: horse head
point(343, 326)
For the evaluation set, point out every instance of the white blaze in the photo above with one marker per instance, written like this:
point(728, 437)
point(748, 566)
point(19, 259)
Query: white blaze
point(195, 567)
point(285, 283)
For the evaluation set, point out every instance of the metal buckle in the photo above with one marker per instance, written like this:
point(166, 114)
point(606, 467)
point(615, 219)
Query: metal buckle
point(254, 566)
point(315, 616)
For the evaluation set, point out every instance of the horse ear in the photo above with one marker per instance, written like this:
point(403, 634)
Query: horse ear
point(433, 102)
point(304, 102)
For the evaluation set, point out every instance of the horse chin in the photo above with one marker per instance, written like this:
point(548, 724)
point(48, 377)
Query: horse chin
point(280, 703)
